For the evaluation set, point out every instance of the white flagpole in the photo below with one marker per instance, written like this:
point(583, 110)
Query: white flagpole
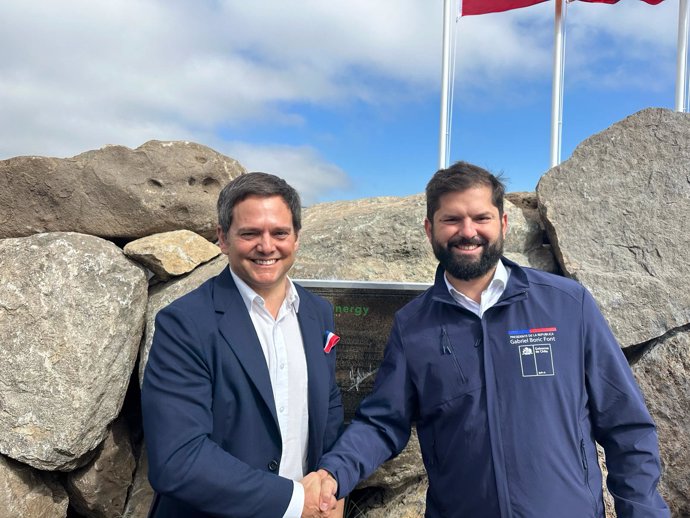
point(557, 93)
point(682, 57)
point(445, 87)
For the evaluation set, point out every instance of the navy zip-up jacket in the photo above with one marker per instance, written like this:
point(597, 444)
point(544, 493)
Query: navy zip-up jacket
point(508, 407)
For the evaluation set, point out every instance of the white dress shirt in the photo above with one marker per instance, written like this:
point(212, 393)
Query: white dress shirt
point(281, 343)
point(489, 296)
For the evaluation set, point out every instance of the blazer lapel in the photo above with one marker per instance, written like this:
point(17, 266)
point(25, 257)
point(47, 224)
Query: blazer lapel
point(317, 368)
point(236, 327)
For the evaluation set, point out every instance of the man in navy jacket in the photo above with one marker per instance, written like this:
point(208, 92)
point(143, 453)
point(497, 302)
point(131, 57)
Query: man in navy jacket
point(239, 395)
point(511, 375)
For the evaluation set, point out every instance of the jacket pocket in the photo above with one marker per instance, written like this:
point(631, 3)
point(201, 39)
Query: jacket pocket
point(447, 348)
point(585, 469)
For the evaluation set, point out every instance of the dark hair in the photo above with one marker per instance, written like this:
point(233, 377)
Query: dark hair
point(459, 177)
point(257, 184)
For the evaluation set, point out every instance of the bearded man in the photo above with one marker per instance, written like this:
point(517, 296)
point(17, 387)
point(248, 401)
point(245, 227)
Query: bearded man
point(511, 375)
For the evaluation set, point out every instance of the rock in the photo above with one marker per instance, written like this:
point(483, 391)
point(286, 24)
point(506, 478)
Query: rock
point(115, 192)
point(163, 294)
point(71, 318)
point(171, 254)
point(141, 494)
point(99, 489)
point(616, 213)
point(406, 502)
point(383, 239)
point(525, 238)
point(25, 492)
point(373, 239)
point(663, 374)
point(401, 470)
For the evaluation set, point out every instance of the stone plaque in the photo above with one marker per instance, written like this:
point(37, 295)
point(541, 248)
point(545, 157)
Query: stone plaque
point(363, 313)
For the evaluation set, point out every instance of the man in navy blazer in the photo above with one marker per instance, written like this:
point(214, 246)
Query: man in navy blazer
point(239, 397)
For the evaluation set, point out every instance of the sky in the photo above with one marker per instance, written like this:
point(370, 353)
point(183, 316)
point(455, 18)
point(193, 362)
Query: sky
point(339, 97)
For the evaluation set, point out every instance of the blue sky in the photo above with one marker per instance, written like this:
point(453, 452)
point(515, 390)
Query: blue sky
point(342, 98)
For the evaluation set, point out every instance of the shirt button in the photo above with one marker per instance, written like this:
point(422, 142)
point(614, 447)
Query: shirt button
point(282, 409)
point(282, 365)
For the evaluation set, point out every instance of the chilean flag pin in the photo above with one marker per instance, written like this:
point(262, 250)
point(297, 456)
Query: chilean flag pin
point(331, 340)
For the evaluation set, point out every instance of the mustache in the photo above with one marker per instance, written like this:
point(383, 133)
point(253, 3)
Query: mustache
point(460, 241)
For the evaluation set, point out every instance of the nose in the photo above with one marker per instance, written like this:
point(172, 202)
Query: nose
point(266, 245)
point(466, 228)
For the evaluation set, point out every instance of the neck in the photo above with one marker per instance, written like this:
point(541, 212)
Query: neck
point(472, 288)
point(274, 298)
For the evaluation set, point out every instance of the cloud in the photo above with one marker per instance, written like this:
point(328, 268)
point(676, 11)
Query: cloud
point(78, 74)
point(301, 166)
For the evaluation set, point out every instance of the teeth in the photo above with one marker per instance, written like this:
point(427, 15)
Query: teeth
point(467, 247)
point(265, 262)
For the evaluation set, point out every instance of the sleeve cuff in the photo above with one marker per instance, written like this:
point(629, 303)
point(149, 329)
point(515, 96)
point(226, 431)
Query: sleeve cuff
point(294, 509)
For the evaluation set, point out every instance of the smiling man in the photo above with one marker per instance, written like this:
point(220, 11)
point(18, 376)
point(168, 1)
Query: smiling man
point(511, 376)
point(239, 395)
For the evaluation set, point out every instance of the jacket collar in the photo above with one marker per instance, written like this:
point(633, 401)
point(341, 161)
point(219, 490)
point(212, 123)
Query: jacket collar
point(516, 289)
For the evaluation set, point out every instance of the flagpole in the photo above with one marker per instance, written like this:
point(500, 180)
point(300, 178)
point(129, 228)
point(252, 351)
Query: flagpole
point(445, 87)
point(682, 56)
point(557, 92)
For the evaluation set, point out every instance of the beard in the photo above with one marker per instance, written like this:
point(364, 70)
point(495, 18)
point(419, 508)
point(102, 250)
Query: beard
point(467, 268)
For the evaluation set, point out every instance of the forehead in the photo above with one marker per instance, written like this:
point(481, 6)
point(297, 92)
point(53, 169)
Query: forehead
point(260, 210)
point(470, 201)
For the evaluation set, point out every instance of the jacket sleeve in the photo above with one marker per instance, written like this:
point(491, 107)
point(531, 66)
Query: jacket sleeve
point(184, 462)
point(621, 421)
point(381, 426)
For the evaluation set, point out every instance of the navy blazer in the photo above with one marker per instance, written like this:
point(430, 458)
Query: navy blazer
point(210, 421)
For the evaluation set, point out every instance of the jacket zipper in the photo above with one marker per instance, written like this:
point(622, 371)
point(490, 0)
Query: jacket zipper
point(584, 460)
point(447, 348)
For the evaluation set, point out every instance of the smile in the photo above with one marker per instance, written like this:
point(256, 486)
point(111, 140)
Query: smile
point(467, 247)
point(264, 262)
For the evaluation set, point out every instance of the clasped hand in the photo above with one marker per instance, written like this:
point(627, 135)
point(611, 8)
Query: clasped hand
point(319, 496)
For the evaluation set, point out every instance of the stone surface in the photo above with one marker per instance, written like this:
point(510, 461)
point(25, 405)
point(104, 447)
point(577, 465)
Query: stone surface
point(663, 374)
point(171, 254)
point(99, 489)
point(616, 213)
point(372, 239)
point(401, 470)
point(405, 502)
point(71, 317)
point(28, 493)
point(163, 294)
point(115, 192)
point(383, 239)
point(525, 238)
point(141, 493)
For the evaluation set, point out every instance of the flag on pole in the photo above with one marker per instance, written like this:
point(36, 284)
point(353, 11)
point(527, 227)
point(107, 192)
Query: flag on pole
point(469, 7)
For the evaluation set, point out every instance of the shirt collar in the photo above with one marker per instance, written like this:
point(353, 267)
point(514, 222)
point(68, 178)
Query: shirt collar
point(498, 282)
point(249, 295)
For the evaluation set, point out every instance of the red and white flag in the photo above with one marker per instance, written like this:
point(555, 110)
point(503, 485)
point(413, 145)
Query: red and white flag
point(469, 7)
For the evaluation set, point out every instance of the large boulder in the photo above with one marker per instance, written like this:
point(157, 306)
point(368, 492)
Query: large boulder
point(383, 239)
point(616, 213)
point(99, 489)
point(28, 493)
point(71, 318)
point(141, 493)
point(663, 374)
point(115, 192)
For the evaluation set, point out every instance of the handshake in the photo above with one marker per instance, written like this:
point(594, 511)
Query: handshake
point(319, 496)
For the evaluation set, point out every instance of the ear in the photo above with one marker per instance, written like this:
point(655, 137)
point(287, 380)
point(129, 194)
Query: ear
point(296, 241)
point(427, 228)
point(504, 224)
point(222, 240)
